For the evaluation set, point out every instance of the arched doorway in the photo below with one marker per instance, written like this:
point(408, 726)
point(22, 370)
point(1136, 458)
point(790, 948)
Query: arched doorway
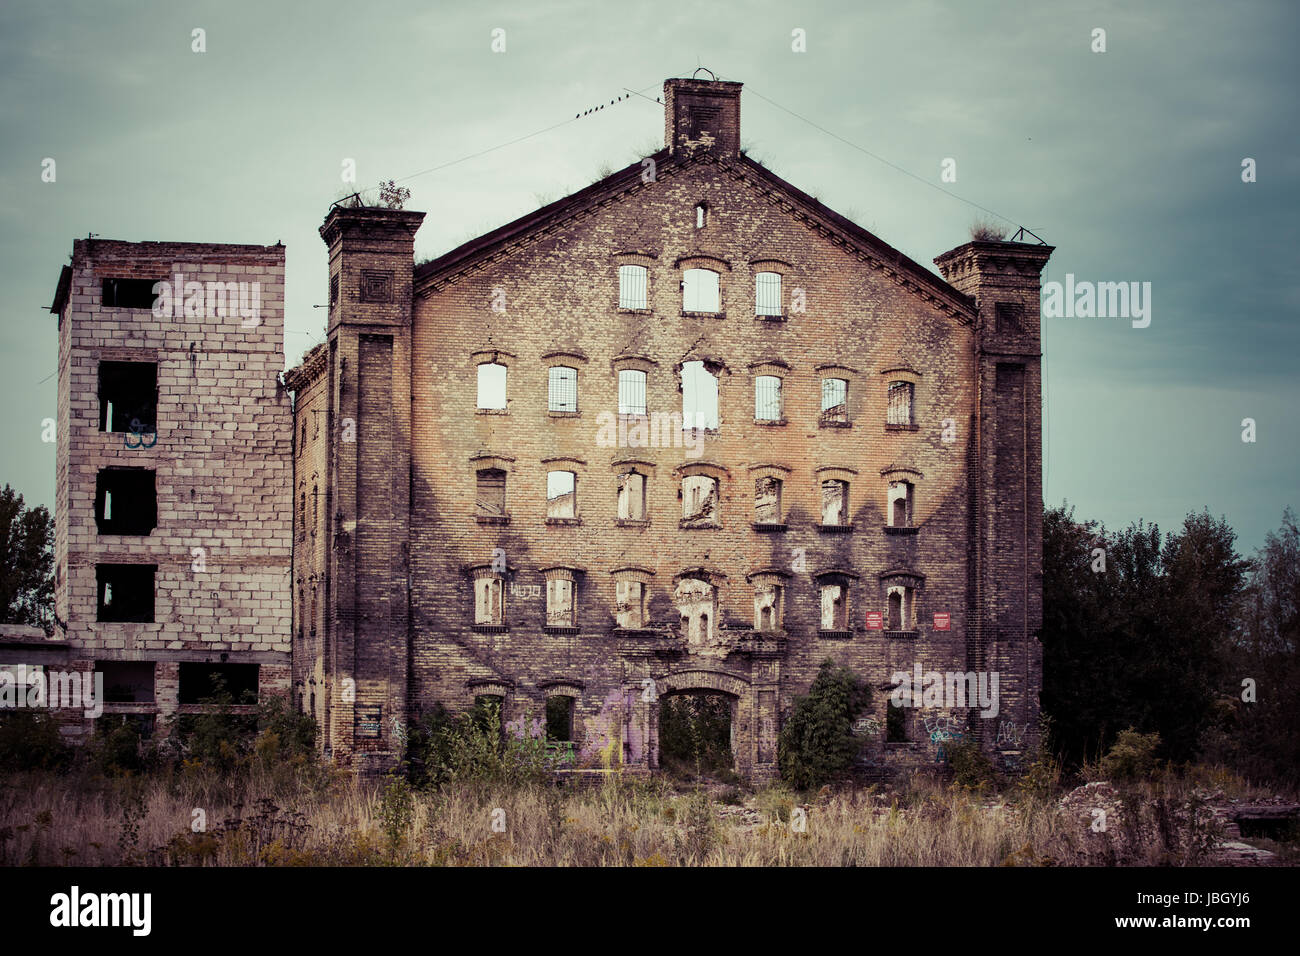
point(701, 717)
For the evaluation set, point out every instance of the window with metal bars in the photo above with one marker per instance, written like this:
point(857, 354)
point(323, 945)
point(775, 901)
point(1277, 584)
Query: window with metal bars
point(835, 404)
point(767, 294)
point(631, 392)
point(562, 395)
point(632, 287)
point(767, 398)
point(900, 403)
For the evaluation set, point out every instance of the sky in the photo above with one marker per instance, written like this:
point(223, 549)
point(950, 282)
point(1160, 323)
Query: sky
point(1129, 160)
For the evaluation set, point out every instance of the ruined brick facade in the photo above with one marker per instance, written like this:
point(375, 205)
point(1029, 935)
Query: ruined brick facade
point(172, 507)
point(417, 582)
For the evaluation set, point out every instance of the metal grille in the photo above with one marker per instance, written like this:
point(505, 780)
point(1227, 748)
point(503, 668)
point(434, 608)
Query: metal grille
point(835, 406)
point(767, 398)
point(631, 392)
point(563, 393)
point(631, 287)
point(767, 294)
point(900, 403)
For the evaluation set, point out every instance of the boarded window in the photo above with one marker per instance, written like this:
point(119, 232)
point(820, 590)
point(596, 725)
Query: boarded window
point(767, 398)
point(835, 400)
point(767, 293)
point(128, 396)
point(900, 403)
point(125, 592)
point(491, 493)
point(562, 391)
point(561, 494)
point(835, 502)
point(631, 287)
point(491, 385)
point(631, 496)
point(700, 291)
point(767, 500)
point(699, 397)
point(129, 293)
point(204, 681)
point(126, 501)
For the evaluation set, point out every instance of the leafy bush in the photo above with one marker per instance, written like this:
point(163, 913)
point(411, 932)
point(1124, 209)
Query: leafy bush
point(971, 766)
point(31, 741)
point(817, 743)
point(1132, 757)
point(471, 747)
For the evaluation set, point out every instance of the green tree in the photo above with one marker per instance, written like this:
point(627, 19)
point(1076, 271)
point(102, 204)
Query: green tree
point(26, 562)
point(817, 743)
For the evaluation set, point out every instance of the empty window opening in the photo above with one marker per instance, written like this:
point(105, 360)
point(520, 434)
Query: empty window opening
point(695, 732)
point(631, 496)
point(835, 606)
point(128, 396)
point(901, 497)
point(700, 498)
point(631, 392)
point(696, 605)
point(835, 404)
point(487, 712)
point(126, 501)
point(900, 403)
point(901, 608)
point(701, 215)
point(767, 500)
point(700, 291)
point(767, 398)
point(489, 601)
point(629, 599)
point(561, 494)
point(127, 682)
point(632, 287)
point(562, 391)
point(560, 610)
point(201, 682)
point(491, 493)
point(835, 502)
point(699, 397)
point(491, 385)
point(129, 293)
point(767, 607)
point(767, 294)
point(895, 724)
point(125, 592)
point(559, 718)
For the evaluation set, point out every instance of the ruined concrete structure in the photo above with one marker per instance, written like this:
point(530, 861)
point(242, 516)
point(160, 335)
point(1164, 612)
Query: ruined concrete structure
point(172, 511)
point(685, 430)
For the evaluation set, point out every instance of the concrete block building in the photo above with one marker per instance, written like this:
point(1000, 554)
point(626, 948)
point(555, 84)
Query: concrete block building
point(687, 430)
point(172, 508)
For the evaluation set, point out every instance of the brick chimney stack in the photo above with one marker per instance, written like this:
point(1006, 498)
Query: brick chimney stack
point(702, 114)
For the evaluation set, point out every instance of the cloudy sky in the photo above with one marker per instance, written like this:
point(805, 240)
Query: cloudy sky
point(1129, 161)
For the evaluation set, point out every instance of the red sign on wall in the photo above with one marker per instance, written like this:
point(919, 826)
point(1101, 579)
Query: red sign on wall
point(942, 622)
point(874, 622)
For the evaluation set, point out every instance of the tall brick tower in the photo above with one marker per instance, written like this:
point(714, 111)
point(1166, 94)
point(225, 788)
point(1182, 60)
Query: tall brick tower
point(1006, 480)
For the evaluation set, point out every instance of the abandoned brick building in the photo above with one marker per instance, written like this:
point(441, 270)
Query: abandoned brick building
point(687, 430)
point(173, 521)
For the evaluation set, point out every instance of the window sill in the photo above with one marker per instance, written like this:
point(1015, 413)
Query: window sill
point(491, 628)
point(771, 421)
point(692, 524)
point(492, 519)
point(902, 635)
point(564, 522)
point(552, 413)
point(491, 411)
point(703, 315)
point(834, 635)
point(901, 428)
point(781, 317)
point(561, 628)
point(833, 423)
point(623, 310)
point(905, 530)
point(631, 522)
point(767, 527)
point(835, 528)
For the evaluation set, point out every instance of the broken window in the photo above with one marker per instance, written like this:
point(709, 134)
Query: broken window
point(835, 502)
point(560, 610)
point(559, 718)
point(767, 500)
point(696, 605)
point(900, 403)
point(203, 680)
point(700, 498)
point(129, 293)
point(631, 496)
point(895, 724)
point(632, 287)
point(631, 392)
point(629, 599)
point(489, 601)
point(901, 495)
point(127, 682)
point(128, 396)
point(562, 391)
point(767, 294)
point(491, 493)
point(125, 592)
point(491, 385)
point(126, 501)
point(700, 291)
point(767, 398)
point(835, 606)
point(699, 397)
point(835, 400)
point(767, 607)
point(901, 608)
point(561, 494)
